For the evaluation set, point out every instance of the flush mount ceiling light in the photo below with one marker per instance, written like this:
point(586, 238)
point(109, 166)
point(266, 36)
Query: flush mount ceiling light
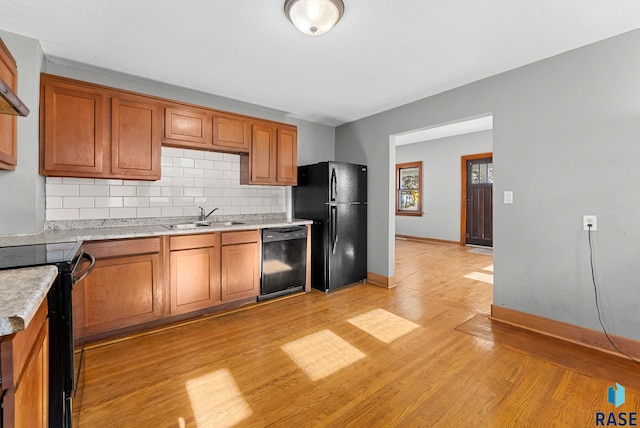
point(314, 17)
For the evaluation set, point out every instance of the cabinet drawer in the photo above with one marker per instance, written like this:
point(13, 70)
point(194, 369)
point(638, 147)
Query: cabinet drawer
point(122, 247)
point(230, 238)
point(184, 242)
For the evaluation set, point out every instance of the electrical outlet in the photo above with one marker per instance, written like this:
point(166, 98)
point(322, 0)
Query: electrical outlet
point(590, 220)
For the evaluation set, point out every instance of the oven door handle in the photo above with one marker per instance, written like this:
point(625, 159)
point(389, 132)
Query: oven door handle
point(79, 276)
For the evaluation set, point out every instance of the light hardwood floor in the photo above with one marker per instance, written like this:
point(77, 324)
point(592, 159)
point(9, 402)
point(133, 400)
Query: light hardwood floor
point(305, 361)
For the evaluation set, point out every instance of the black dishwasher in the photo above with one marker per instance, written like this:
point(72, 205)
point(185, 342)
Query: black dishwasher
point(284, 261)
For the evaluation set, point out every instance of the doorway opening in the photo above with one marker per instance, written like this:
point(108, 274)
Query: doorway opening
point(419, 225)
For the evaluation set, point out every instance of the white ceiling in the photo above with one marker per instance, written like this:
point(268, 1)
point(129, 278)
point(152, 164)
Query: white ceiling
point(382, 53)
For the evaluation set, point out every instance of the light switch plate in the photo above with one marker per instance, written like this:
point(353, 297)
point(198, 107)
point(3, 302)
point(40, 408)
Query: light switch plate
point(508, 196)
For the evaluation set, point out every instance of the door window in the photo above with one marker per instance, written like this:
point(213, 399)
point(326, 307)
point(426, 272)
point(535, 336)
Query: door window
point(482, 173)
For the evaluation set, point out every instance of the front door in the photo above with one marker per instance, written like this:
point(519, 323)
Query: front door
point(479, 201)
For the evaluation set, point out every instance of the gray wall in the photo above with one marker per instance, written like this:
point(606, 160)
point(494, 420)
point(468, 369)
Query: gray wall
point(566, 140)
point(441, 186)
point(22, 190)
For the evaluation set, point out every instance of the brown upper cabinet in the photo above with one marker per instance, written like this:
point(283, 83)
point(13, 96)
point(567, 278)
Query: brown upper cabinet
point(188, 127)
point(135, 137)
point(91, 131)
point(231, 133)
point(287, 156)
point(8, 123)
point(205, 129)
point(272, 159)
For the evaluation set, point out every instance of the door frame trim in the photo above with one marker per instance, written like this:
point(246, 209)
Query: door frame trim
point(463, 193)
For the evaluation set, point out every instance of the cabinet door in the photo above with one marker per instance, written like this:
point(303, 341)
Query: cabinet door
point(8, 123)
point(195, 279)
point(74, 134)
point(31, 396)
point(122, 292)
point(263, 154)
point(287, 157)
point(135, 138)
point(231, 133)
point(273, 158)
point(240, 271)
point(187, 127)
point(25, 374)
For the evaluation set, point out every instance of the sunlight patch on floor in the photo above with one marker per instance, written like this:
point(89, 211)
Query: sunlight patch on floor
point(383, 325)
point(321, 354)
point(216, 400)
point(480, 276)
point(488, 268)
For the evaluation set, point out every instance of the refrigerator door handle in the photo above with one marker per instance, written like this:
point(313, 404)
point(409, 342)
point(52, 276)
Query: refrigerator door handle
point(334, 185)
point(334, 228)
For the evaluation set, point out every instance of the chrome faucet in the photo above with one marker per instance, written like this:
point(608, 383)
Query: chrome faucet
point(203, 217)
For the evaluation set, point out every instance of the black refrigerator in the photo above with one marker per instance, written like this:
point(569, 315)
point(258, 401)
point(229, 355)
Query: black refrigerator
point(334, 196)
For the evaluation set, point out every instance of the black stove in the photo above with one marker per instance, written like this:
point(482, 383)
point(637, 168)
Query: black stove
point(68, 257)
point(38, 254)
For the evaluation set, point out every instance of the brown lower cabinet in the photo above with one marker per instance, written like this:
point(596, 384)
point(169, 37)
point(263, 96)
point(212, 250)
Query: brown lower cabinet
point(25, 362)
point(240, 256)
point(144, 282)
point(194, 268)
point(125, 287)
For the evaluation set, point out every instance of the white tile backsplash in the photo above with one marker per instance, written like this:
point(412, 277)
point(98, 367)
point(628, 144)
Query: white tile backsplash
point(106, 202)
point(94, 190)
point(62, 189)
point(54, 202)
point(77, 202)
point(149, 212)
point(94, 213)
point(190, 178)
point(62, 214)
point(122, 213)
point(122, 190)
point(135, 201)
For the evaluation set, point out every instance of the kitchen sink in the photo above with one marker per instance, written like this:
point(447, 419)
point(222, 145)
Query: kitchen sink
point(225, 223)
point(202, 224)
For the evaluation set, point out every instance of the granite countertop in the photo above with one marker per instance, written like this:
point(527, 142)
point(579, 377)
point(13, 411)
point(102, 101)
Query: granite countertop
point(96, 231)
point(22, 291)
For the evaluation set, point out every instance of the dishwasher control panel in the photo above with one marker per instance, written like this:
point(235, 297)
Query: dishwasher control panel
point(284, 233)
